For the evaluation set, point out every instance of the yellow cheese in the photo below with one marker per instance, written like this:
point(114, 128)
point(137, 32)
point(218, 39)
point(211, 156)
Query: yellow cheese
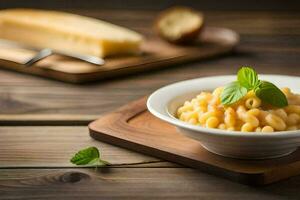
point(67, 32)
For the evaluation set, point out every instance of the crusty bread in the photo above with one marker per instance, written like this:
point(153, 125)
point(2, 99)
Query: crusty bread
point(179, 25)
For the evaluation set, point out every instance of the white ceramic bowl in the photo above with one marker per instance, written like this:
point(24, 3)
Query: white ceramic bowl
point(164, 102)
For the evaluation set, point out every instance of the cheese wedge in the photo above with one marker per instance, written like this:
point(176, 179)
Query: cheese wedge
point(67, 32)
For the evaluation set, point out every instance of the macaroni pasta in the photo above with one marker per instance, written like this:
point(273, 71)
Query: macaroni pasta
point(248, 114)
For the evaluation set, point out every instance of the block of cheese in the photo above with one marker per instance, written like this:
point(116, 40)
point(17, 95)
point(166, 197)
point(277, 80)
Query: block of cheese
point(67, 32)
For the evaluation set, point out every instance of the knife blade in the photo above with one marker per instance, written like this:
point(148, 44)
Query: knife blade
point(43, 53)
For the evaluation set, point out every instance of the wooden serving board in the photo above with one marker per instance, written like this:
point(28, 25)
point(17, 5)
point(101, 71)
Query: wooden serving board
point(156, 53)
point(133, 127)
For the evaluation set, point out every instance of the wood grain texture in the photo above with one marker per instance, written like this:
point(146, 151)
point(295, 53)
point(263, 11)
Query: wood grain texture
point(270, 41)
point(156, 4)
point(133, 127)
point(46, 120)
point(133, 183)
point(156, 54)
point(47, 146)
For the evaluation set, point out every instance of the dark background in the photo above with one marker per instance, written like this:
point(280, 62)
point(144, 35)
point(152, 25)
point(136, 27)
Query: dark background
point(283, 5)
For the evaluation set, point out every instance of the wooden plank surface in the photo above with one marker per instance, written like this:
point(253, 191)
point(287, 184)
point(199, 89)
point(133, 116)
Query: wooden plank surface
point(157, 4)
point(272, 48)
point(135, 128)
point(46, 119)
point(133, 183)
point(156, 54)
point(270, 41)
point(48, 146)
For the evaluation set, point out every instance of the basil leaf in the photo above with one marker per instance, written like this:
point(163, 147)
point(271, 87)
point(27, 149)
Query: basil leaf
point(87, 156)
point(248, 78)
point(271, 94)
point(232, 93)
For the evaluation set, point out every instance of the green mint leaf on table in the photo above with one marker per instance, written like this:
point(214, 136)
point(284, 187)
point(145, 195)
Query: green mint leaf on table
point(232, 93)
point(248, 78)
point(88, 156)
point(271, 94)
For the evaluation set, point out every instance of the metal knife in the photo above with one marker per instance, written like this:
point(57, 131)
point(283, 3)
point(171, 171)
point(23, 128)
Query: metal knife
point(43, 53)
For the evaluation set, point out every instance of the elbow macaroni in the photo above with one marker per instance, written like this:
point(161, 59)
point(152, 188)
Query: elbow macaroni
point(247, 115)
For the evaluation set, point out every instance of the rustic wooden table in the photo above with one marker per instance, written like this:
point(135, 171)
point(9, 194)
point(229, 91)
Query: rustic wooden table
point(43, 122)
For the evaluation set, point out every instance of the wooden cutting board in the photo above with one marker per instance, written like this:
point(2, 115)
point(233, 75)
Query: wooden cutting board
point(156, 53)
point(133, 127)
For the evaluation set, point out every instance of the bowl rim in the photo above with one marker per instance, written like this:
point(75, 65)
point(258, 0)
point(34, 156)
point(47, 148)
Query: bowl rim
point(217, 132)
